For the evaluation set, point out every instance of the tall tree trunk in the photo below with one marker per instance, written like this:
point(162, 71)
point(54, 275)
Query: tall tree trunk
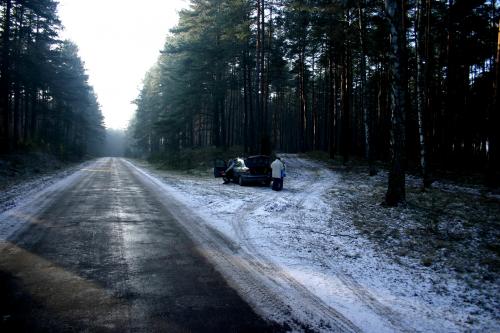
point(324, 121)
point(303, 103)
point(218, 99)
point(16, 116)
point(449, 122)
point(258, 76)
point(223, 133)
point(265, 144)
point(34, 115)
point(314, 107)
point(420, 31)
point(396, 186)
point(345, 101)
point(5, 143)
point(245, 104)
point(367, 119)
point(216, 123)
point(332, 103)
point(494, 144)
point(252, 132)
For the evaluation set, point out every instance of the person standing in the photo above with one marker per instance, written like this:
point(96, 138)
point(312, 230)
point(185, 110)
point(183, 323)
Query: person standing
point(278, 173)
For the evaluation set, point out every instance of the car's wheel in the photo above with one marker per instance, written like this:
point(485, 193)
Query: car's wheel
point(241, 181)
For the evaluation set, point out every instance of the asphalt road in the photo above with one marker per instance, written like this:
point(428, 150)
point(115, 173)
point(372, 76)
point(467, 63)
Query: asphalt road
point(104, 255)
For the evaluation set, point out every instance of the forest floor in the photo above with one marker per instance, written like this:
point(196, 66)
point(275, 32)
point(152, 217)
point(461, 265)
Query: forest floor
point(430, 265)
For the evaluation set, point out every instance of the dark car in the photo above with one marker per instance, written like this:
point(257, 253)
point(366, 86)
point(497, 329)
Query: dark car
point(253, 169)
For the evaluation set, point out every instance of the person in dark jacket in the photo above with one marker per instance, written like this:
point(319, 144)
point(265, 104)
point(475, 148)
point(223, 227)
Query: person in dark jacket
point(228, 174)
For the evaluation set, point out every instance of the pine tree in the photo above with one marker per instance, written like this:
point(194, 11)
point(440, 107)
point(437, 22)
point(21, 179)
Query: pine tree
point(396, 192)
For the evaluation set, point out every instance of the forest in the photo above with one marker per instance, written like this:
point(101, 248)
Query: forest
point(46, 101)
point(412, 84)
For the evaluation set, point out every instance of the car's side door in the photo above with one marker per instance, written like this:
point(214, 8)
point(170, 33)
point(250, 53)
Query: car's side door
point(220, 167)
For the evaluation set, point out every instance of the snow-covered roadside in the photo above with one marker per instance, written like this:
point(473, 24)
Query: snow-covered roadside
point(306, 232)
point(17, 198)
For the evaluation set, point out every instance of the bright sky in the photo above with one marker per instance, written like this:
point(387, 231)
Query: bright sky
point(119, 40)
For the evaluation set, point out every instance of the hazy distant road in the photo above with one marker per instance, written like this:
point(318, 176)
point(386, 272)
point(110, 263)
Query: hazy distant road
point(104, 255)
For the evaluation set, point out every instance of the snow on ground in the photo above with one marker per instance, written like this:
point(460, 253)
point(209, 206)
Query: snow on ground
point(427, 266)
point(16, 198)
point(312, 231)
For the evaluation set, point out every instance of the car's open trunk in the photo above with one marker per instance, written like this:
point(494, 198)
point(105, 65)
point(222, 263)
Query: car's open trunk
point(258, 165)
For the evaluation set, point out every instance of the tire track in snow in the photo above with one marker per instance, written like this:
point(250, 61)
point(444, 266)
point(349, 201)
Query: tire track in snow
point(305, 189)
point(240, 269)
point(314, 306)
point(393, 317)
point(362, 293)
point(272, 292)
point(371, 302)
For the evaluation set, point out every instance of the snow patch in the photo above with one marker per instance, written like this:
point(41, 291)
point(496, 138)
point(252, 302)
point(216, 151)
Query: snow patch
point(20, 203)
point(307, 231)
